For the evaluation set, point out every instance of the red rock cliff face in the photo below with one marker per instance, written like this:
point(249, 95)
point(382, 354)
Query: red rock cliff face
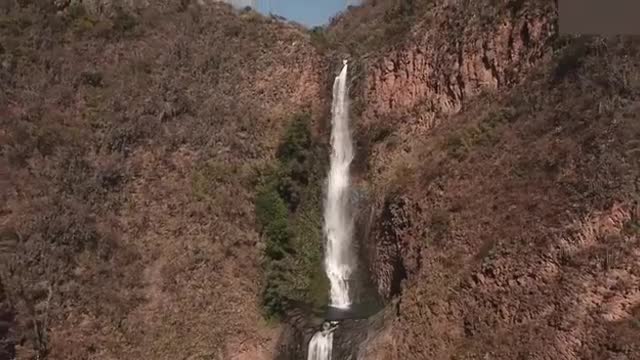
point(449, 63)
point(415, 87)
point(452, 57)
point(506, 187)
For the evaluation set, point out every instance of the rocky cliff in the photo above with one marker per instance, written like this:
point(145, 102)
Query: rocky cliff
point(451, 56)
point(505, 170)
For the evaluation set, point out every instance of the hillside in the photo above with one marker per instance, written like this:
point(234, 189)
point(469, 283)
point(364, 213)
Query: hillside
point(131, 144)
point(161, 168)
point(516, 222)
point(502, 168)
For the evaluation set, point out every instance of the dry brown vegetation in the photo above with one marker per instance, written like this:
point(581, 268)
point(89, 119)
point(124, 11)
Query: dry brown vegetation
point(504, 159)
point(522, 212)
point(129, 148)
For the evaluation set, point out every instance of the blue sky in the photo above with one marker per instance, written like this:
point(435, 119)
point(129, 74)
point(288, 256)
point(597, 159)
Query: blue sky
point(306, 12)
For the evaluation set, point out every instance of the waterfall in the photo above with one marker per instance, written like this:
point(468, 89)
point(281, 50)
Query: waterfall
point(338, 225)
point(321, 344)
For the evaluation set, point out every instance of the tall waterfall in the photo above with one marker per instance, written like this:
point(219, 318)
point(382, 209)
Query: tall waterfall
point(338, 227)
point(338, 224)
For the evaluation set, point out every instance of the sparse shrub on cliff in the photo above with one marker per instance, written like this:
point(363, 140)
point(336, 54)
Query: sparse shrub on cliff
point(486, 133)
point(439, 223)
point(123, 22)
point(297, 140)
point(288, 209)
point(272, 214)
point(320, 38)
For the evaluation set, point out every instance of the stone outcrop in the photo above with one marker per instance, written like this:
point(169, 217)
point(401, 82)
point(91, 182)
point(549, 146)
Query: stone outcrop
point(445, 65)
point(448, 63)
point(386, 256)
point(450, 59)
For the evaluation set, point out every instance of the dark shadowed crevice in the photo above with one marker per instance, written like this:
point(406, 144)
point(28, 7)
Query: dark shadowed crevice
point(7, 320)
point(525, 36)
point(399, 274)
point(387, 263)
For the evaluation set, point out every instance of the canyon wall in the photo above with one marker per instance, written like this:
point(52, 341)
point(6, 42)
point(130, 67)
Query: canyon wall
point(452, 55)
point(506, 188)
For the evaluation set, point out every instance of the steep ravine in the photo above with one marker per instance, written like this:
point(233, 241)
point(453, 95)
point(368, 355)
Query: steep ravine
point(408, 91)
point(495, 182)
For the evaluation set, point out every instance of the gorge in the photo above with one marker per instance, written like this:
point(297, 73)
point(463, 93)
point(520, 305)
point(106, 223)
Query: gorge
point(171, 186)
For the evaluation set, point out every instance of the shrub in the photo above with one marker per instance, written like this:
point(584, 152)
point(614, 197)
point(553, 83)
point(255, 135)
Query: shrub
point(571, 58)
point(123, 22)
point(294, 161)
point(439, 222)
point(15, 25)
point(631, 227)
point(91, 78)
point(380, 133)
point(460, 144)
point(402, 177)
point(288, 210)
point(320, 38)
point(79, 20)
point(456, 146)
point(272, 214)
point(297, 140)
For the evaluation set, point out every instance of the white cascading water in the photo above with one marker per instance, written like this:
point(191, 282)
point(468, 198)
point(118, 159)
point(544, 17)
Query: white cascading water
point(338, 227)
point(338, 224)
point(321, 344)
